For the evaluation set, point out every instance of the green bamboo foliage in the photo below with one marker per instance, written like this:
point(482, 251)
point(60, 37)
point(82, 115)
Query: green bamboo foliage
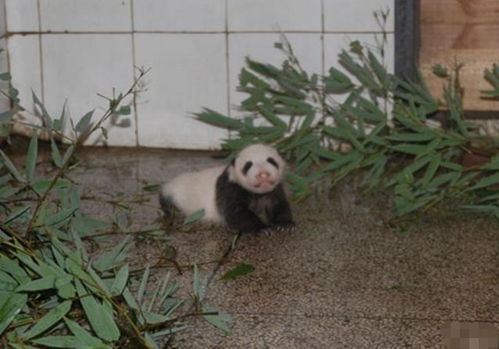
point(359, 116)
point(52, 294)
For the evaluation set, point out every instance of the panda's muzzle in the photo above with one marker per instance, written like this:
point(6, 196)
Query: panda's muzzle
point(264, 179)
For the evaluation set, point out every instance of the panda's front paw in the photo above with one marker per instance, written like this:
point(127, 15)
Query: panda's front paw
point(267, 231)
point(284, 227)
point(279, 228)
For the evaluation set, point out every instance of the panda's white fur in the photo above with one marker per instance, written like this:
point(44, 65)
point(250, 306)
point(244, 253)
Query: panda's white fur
point(258, 155)
point(193, 191)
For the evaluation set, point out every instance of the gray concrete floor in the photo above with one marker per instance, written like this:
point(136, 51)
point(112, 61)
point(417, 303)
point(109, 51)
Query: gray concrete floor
point(342, 279)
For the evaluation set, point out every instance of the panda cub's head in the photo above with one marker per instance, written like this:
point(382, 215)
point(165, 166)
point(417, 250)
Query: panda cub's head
point(258, 168)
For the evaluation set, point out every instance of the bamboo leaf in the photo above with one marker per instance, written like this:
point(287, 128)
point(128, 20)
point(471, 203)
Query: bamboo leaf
point(56, 155)
point(346, 134)
point(337, 82)
point(221, 320)
point(266, 70)
point(65, 288)
point(5, 179)
point(83, 335)
point(194, 217)
point(114, 258)
point(124, 110)
point(10, 307)
point(343, 160)
point(16, 214)
point(84, 123)
point(492, 197)
point(143, 284)
point(197, 287)
point(49, 319)
point(271, 117)
point(486, 182)
point(408, 148)
point(432, 169)
point(43, 283)
point(5, 76)
point(99, 316)
point(379, 70)
point(120, 281)
point(8, 191)
point(239, 270)
point(12, 168)
point(212, 117)
point(47, 120)
point(42, 185)
point(444, 178)
point(85, 225)
point(28, 261)
point(493, 164)
point(412, 137)
point(405, 206)
point(31, 158)
point(440, 71)
point(12, 267)
point(489, 209)
point(246, 77)
point(358, 71)
point(61, 342)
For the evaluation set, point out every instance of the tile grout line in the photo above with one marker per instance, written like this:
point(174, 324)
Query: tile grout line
point(227, 60)
point(134, 65)
point(323, 53)
point(7, 54)
point(76, 32)
point(40, 49)
point(367, 317)
point(323, 60)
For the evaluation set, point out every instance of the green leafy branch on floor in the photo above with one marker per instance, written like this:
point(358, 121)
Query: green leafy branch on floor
point(52, 292)
point(368, 121)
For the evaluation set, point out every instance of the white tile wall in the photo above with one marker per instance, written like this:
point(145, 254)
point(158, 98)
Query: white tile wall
point(195, 62)
point(4, 67)
point(91, 64)
point(356, 15)
point(4, 63)
point(185, 15)
point(88, 15)
point(22, 15)
point(24, 58)
point(260, 47)
point(188, 72)
point(274, 15)
point(3, 22)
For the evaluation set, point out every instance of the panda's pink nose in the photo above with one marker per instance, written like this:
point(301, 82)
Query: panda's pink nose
point(263, 175)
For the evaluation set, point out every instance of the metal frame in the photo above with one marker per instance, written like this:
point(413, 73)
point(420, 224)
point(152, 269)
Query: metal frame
point(406, 38)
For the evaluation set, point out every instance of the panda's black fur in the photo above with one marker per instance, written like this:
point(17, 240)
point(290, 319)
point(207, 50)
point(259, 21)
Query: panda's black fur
point(246, 196)
point(241, 208)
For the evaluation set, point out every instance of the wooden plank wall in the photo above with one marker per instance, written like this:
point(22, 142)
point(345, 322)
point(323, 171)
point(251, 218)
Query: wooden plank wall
point(466, 31)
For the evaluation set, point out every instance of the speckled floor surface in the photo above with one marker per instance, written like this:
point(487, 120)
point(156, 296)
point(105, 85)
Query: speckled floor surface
point(342, 279)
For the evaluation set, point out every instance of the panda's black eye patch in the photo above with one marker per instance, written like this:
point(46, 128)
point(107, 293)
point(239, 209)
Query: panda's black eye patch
point(272, 162)
point(246, 167)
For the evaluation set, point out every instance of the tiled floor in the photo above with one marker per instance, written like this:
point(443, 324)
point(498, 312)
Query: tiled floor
point(343, 279)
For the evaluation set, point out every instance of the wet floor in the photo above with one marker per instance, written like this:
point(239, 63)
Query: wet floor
point(342, 279)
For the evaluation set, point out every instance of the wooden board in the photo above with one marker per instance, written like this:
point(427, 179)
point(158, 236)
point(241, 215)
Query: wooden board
point(463, 31)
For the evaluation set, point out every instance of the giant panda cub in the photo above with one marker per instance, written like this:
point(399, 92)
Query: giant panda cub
point(238, 195)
